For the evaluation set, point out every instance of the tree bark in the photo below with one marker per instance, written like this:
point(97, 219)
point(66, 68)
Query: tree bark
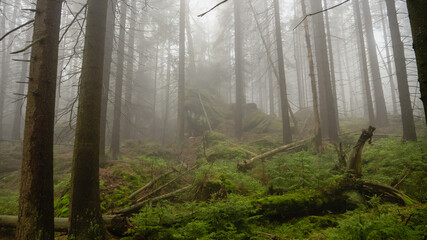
point(115, 138)
point(108, 52)
point(417, 10)
point(409, 132)
point(85, 212)
point(381, 110)
point(364, 64)
point(355, 160)
point(35, 217)
point(286, 127)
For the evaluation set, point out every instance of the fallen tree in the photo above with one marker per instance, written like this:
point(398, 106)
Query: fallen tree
point(115, 224)
point(247, 164)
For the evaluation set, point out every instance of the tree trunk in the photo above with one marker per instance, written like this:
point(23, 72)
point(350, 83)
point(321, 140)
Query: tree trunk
point(381, 110)
point(129, 75)
point(85, 212)
point(326, 97)
point(35, 217)
point(388, 66)
point(191, 54)
point(286, 127)
point(181, 78)
point(4, 71)
point(317, 131)
point(167, 90)
point(417, 10)
point(364, 64)
point(331, 61)
point(402, 76)
point(238, 54)
point(355, 160)
point(108, 52)
point(115, 138)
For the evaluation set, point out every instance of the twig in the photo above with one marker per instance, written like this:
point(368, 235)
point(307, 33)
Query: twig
point(23, 50)
point(71, 23)
point(203, 14)
point(17, 28)
point(324, 10)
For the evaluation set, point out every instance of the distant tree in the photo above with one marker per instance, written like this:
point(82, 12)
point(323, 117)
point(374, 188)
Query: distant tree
point(317, 129)
point(409, 132)
point(181, 77)
point(108, 52)
point(85, 211)
point(363, 62)
point(327, 104)
point(286, 126)
point(417, 10)
point(115, 138)
point(238, 58)
point(35, 217)
point(380, 107)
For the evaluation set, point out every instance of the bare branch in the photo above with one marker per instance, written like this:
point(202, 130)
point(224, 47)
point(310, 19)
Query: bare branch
point(17, 28)
point(203, 14)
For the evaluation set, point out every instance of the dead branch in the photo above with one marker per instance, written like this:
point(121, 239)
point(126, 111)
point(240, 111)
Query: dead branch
point(27, 47)
point(355, 160)
point(151, 183)
point(134, 208)
point(245, 165)
point(17, 28)
point(203, 14)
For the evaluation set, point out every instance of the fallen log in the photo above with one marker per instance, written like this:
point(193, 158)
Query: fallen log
point(151, 183)
point(246, 165)
point(135, 208)
point(115, 224)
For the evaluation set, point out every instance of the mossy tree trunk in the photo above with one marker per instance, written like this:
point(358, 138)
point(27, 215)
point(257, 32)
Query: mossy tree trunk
point(417, 10)
point(85, 211)
point(35, 217)
point(409, 132)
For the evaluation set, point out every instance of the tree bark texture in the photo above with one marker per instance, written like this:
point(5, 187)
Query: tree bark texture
point(35, 217)
point(417, 10)
point(181, 77)
point(238, 54)
point(85, 212)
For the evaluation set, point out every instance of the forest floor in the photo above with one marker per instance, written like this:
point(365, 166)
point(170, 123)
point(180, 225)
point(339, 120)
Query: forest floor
point(195, 191)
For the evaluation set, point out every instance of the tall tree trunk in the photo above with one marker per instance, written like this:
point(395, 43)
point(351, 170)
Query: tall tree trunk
point(317, 131)
point(127, 125)
point(167, 90)
point(156, 70)
point(85, 211)
point(115, 138)
point(35, 217)
point(4, 70)
point(331, 61)
point(191, 54)
point(381, 110)
point(108, 53)
point(388, 66)
point(326, 97)
point(181, 78)
point(269, 70)
point(364, 64)
point(17, 123)
point(238, 54)
point(286, 127)
point(402, 76)
point(417, 10)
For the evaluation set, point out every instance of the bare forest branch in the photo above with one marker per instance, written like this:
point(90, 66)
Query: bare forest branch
point(203, 14)
point(17, 28)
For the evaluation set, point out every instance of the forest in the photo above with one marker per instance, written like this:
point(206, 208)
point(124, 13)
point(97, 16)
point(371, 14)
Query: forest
point(213, 119)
